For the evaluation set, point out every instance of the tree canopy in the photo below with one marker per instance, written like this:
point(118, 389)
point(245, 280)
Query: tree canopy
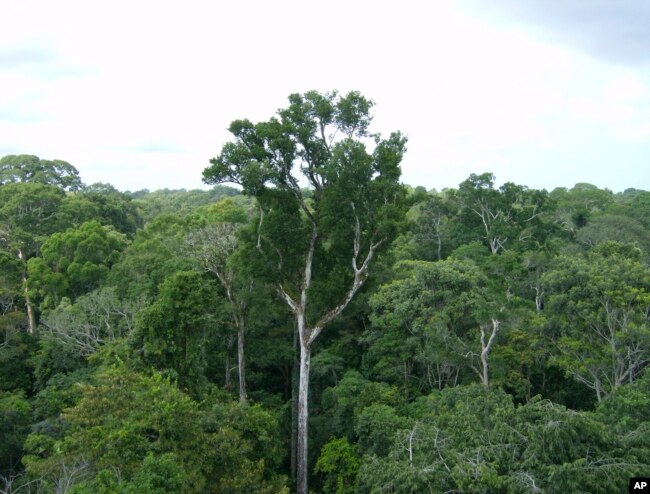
point(322, 327)
point(29, 168)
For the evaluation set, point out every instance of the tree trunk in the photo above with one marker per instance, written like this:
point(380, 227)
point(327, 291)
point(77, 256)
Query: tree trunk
point(241, 361)
point(485, 351)
point(227, 370)
point(538, 298)
point(303, 396)
point(295, 376)
point(31, 318)
point(485, 376)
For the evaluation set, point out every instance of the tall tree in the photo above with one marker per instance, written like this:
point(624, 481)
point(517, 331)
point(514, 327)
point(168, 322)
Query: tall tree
point(29, 168)
point(214, 247)
point(27, 215)
point(319, 250)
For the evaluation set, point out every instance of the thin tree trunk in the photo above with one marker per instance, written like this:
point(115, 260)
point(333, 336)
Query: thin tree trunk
point(227, 378)
point(303, 396)
point(538, 298)
point(485, 351)
point(484, 362)
point(31, 317)
point(241, 360)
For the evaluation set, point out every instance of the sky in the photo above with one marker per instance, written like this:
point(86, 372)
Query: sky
point(139, 94)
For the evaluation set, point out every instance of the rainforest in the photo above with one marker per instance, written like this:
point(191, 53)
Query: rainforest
point(310, 323)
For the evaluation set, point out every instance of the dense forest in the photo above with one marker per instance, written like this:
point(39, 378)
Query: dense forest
point(310, 324)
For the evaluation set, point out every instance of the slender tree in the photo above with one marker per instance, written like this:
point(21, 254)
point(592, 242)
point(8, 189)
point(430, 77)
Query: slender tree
point(317, 251)
point(213, 246)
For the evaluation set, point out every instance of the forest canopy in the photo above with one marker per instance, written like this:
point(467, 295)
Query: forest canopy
point(485, 338)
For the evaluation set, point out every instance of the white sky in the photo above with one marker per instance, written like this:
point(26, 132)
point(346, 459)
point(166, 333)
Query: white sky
point(139, 94)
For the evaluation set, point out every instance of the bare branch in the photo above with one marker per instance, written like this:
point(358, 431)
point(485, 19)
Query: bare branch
point(287, 298)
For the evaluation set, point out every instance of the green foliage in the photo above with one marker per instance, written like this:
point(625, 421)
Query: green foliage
point(320, 134)
point(16, 350)
point(433, 226)
point(103, 404)
point(472, 439)
point(376, 426)
point(15, 420)
point(181, 202)
point(425, 322)
point(599, 304)
point(628, 407)
point(346, 401)
point(28, 168)
point(74, 262)
point(119, 421)
point(95, 319)
point(157, 251)
point(157, 475)
point(511, 215)
point(62, 391)
point(635, 204)
point(576, 207)
point(225, 211)
point(170, 333)
point(243, 448)
point(618, 228)
point(339, 463)
point(102, 203)
point(49, 427)
point(54, 356)
point(11, 272)
point(27, 215)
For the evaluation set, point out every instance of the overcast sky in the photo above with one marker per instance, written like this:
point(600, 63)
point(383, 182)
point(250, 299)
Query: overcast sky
point(139, 94)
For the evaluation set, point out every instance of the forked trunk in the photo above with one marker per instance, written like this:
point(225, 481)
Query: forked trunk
point(485, 351)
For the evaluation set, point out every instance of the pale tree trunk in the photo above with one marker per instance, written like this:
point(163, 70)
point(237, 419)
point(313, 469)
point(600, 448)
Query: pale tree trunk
point(241, 361)
point(31, 317)
point(239, 320)
point(228, 368)
point(303, 417)
point(488, 217)
point(485, 350)
point(307, 334)
point(539, 293)
point(213, 246)
point(295, 376)
point(482, 371)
